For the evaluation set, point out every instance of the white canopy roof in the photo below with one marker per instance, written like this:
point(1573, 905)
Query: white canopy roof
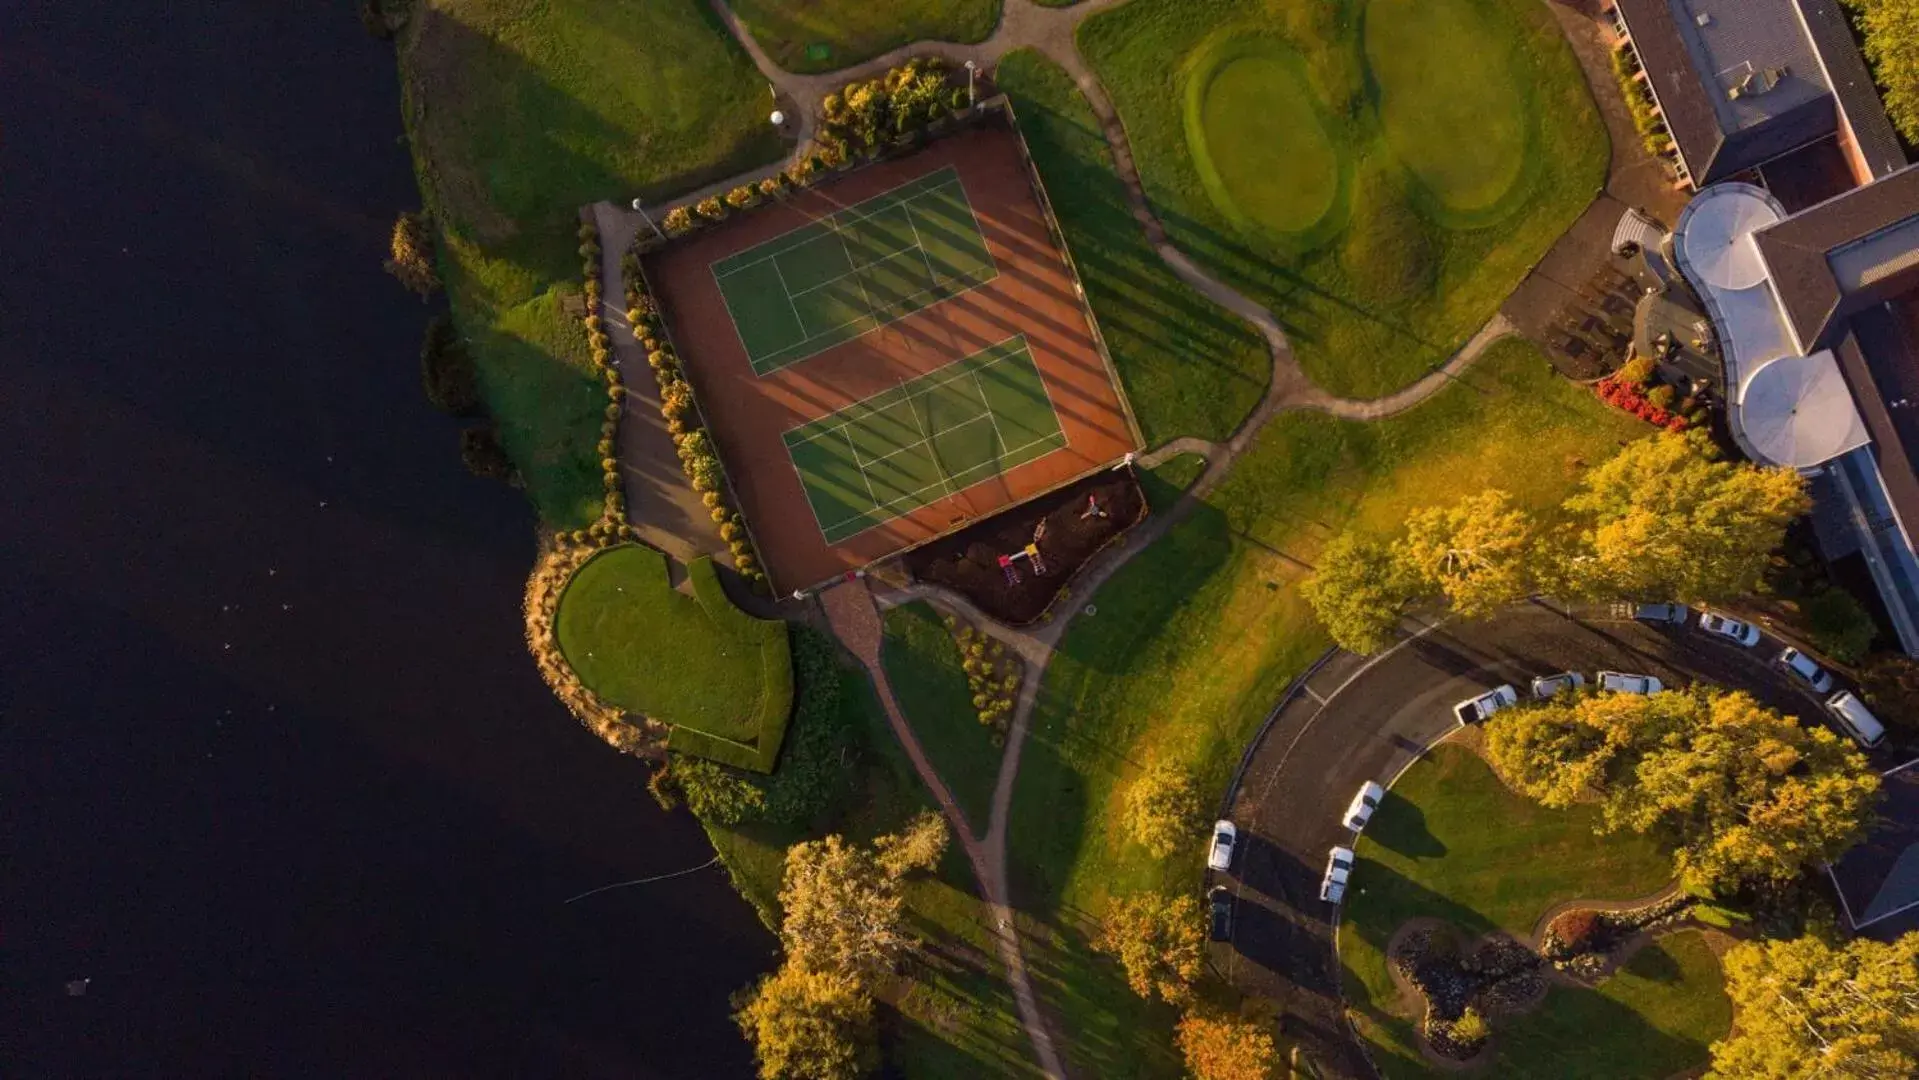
point(1721, 221)
point(1798, 412)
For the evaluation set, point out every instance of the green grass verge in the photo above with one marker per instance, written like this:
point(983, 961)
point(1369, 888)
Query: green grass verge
point(923, 664)
point(1188, 367)
point(1166, 482)
point(1451, 842)
point(721, 677)
point(1259, 143)
point(1432, 246)
point(518, 115)
point(949, 1015)
point(826, 35)
point(1196, 636)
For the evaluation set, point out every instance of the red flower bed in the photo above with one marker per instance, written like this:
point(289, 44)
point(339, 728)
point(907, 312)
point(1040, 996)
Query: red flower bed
point(1630, 398)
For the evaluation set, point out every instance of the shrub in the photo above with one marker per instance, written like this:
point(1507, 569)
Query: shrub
point(1636, 371)
point(717, 793)
point(410, 254)
point(1839, 625)
point(711, 208)
point(1891, 686)
point(482, 454)
point(1471, 1028)
point(678, 220)
point(446, 369)
point(1578, 930)
point(612, 412)
point(1661, 396)
point(770, 186)
point(741, 197)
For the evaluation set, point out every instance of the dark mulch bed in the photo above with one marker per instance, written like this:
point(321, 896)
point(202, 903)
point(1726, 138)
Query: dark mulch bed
point(968, 561)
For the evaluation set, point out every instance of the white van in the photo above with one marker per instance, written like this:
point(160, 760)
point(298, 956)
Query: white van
point(1854, 717)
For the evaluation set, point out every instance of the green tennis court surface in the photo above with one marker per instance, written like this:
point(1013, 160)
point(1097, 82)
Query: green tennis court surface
point(903, 448)
point(835, 278)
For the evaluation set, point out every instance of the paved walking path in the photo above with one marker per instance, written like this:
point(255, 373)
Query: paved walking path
point(856, 622)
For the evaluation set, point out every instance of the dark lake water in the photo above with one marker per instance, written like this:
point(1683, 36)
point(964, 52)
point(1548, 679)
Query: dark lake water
point(276, 772)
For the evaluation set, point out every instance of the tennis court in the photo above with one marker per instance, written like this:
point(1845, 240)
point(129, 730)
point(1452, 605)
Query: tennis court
point(894, 452)
point(840, 276)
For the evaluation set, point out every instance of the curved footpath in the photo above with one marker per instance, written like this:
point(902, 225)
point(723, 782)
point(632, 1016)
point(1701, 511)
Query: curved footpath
point(851, 608)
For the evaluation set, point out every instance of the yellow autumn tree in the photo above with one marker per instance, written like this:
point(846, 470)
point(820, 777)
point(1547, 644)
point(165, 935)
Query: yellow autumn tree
point(1477, 553)
point(1159, 941)
point(809, 1025)
point(1226, 1048)
point(1808, 1010)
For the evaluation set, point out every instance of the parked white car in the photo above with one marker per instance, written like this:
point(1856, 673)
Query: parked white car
point(1546, 686)
point(1363, 805)
point(1806, 670)
point(1339, 867)
point(1225, 839)
point(1473, 710)
point(1620, 682)
point(1729, 628)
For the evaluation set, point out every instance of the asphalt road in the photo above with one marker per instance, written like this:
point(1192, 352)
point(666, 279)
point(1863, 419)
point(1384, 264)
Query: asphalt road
point(1360, 719)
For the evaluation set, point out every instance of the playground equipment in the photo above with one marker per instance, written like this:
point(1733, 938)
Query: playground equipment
point(1093, 509)
point(1031, 554)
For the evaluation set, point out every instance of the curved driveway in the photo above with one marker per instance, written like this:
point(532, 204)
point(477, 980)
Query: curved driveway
point(1359, 719)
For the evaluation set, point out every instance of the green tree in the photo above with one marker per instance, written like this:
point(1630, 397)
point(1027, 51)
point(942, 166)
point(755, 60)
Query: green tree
point(1810, 1011)
point(919, 846)
point(1226, 1048)
point(1839, 625)
point(1742, 792)
point(1891, 31)
point(1476, 553)
point(1661, 521)
point(1358, 591)
point(1159, 941)
point(1162, 808)
point(410, 254)
point(1891, 686)
point(842, 910)
point(809, 1025)
point(715, 792)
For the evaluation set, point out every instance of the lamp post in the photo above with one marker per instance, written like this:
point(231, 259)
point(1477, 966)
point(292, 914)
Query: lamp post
point(972, 97)
point(640, 209)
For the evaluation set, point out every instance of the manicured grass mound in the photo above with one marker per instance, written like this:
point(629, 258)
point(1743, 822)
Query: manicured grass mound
point(1452, 842)
point(1189, 368)
point(521, 113)
point(1474, 113)
point(1258, 140)
point(1196, 636)
point(923, 663)
point(721, 677)
point(1449, 103)
point(826, 35)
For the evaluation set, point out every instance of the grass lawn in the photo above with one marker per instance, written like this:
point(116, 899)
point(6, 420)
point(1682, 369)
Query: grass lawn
point(1188, 367)
point(695, 663)
point(520, 113)
point(949, 1015)
point(1197, 634)
point(1167, 481)
point(1466, 142)
point(826, 35)
point(1451, 842)
point(923, 664)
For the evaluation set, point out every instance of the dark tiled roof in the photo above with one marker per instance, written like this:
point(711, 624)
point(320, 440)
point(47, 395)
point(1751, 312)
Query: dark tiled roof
point(1682, 95)
point(1846, 74)
point(1691, 67)
point(1796, 250)
point(1864, 363)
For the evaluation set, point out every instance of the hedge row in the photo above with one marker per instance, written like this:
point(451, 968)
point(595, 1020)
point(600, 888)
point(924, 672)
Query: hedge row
point(698, 459)
point(860, 122)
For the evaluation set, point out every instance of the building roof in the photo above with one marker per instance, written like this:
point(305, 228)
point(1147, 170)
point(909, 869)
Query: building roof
point(1739, 81)
point(1826, 259)
point(1797, 411)
point(1845, 70)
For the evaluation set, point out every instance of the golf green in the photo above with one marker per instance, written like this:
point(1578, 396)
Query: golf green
point(1258, 141)
point(1451, 105)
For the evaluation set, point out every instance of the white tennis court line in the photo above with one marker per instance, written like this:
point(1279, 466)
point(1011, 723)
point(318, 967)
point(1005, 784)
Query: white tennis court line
point(1020, 339)
point(857, 464)
point(827, 531)
point(928, 439)
point(759, 367)
point(988, 402)
point(852, 214)
point(790, 306)
point(932, 275)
